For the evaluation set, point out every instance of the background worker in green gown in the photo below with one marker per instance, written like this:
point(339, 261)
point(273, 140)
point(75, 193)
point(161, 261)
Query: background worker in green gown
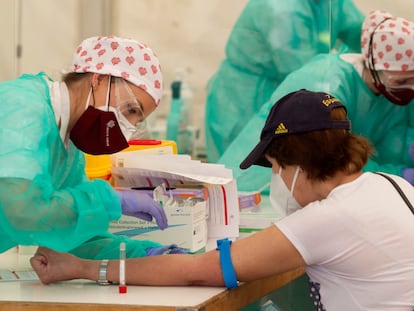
point(270, 39)
point(376, 86)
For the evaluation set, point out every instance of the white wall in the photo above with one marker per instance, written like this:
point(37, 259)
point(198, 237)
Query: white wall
point(187, 34)
point(42, 29)
point(184, 33)
point(403, 8)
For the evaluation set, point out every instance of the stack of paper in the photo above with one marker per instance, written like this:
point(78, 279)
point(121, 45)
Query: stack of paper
point(136, 170)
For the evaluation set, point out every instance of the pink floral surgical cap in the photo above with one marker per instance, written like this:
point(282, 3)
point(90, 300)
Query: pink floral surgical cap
point(392, 41)
point(120, 57)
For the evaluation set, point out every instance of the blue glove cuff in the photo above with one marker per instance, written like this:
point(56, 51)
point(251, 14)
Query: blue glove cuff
point(227, 268)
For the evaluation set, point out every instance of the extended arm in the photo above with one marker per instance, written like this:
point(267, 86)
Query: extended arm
point(262, 254)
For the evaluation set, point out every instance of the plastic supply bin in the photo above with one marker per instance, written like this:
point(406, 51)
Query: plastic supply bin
point(99, 166)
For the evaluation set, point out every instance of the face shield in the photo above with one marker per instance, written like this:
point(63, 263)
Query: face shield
point(397, 80)
point(129, 111)
point(398, 87)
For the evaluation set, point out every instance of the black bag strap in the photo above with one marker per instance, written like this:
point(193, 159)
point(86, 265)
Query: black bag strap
point(392, 181)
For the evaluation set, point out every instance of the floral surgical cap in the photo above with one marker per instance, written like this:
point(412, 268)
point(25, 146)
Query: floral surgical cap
point(392, 41)
point(120, 57)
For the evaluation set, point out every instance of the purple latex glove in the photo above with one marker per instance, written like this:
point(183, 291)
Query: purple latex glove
point(141, 205)
point(408, 173)
point(411, 151)
point(168, 249)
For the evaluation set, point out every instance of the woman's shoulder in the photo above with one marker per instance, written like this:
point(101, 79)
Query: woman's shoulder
point(26, 83)
point(25, 96)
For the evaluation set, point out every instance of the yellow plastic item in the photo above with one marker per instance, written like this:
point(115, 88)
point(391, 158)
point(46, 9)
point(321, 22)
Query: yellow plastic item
point(99, 166)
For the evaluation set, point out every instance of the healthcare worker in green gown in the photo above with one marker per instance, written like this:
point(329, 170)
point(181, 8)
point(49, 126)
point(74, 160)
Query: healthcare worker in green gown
point(45, 197)
point(270, 39)
point(376, 86)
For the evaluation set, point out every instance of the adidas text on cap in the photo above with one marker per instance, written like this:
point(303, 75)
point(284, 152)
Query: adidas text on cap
point(297, 112)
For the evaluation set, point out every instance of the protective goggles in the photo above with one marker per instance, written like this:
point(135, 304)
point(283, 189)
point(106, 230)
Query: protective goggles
point(397, 81)
point(129, 110)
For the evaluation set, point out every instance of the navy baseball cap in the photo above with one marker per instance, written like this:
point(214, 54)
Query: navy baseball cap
point(297, 112)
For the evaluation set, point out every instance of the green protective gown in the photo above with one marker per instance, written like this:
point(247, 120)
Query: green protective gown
point(389, 127)
point(45, 196)
point(270, 39)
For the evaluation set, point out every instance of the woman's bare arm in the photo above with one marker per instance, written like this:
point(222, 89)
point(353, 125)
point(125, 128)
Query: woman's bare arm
point(265, 253)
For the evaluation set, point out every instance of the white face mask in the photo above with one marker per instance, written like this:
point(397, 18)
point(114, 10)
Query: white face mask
point(281, 198)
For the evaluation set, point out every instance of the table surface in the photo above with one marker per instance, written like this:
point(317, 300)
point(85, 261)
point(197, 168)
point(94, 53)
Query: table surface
point(87, 295)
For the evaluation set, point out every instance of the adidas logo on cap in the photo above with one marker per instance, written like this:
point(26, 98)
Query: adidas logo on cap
point(281, 129)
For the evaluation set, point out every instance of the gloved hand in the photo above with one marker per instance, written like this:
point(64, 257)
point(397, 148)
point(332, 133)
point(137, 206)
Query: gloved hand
point(168, 249)
point(141, 205)
point(408, 173)
point(411, 151)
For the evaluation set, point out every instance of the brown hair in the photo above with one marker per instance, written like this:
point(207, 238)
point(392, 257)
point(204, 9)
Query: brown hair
point(322, 153)
point(73, 77)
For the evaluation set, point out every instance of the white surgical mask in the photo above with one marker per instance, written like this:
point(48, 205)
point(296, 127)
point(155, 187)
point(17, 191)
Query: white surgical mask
point(281, 198)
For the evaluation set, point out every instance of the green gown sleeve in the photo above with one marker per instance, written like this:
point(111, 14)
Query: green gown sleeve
point(61, 219)
point(106, 246)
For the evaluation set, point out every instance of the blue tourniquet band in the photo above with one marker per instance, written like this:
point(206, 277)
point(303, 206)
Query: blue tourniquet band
point(227, 268)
